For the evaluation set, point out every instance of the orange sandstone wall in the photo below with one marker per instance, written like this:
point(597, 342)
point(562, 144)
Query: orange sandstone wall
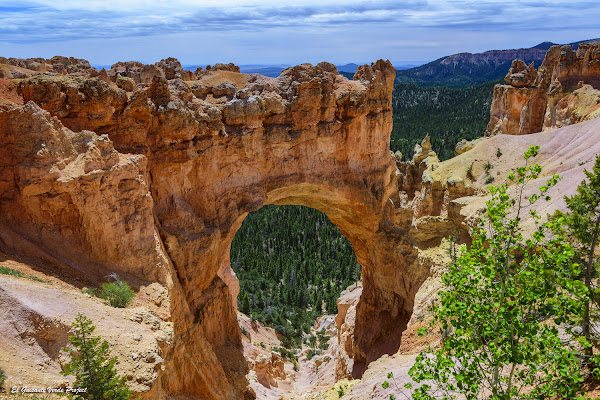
point(153, 183)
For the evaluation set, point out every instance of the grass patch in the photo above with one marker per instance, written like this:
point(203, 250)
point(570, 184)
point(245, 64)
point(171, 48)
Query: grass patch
point(13, 272)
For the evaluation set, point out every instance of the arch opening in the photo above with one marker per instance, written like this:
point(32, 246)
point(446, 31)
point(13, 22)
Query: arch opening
point(292, 264)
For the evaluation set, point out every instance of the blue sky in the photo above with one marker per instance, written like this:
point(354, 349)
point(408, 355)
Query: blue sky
point(271, 32)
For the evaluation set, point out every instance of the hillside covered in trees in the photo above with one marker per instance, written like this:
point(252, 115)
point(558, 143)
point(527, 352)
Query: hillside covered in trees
point(467, 69)
point(447, 115)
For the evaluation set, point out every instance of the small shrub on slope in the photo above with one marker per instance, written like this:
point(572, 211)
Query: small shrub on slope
point(117, 293)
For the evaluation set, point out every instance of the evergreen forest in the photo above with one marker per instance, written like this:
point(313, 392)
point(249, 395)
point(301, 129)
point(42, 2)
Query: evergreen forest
point(447, 115)
point(293, 263)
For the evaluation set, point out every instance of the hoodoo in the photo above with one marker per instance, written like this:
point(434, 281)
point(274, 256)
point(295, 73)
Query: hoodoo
point(564, 91)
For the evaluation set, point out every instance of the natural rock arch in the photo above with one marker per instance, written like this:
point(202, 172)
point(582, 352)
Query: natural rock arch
point(210, 151)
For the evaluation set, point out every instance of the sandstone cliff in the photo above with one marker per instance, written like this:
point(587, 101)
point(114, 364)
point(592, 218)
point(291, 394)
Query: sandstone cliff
point(154, 184)
point(565, 90)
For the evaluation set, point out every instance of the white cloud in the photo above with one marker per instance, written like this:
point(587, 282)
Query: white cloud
point(356, 30)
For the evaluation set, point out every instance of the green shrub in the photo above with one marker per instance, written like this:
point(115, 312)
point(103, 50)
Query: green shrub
point(10, 271)
point(504, 297)
point(470, 172)
point(2, 379)
point(498, 152)
point(117, 293)
point(90, 291)
point(285, 353)
point(487, 166)
point(311, 353)
point(489, 180)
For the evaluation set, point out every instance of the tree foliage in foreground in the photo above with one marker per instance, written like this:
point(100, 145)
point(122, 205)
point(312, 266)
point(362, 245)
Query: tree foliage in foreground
point(583, 226)
point(506, 302)
point(94, 371)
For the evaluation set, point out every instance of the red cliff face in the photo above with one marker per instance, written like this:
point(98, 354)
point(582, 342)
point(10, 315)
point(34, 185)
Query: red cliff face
point(160, 187)
point(565, 90)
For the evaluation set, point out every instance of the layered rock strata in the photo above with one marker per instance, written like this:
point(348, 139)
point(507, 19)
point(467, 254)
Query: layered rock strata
point(157, 191)
point(565, 90)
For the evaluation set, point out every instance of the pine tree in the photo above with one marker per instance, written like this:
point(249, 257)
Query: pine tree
point(95, 372)
point(245, 308)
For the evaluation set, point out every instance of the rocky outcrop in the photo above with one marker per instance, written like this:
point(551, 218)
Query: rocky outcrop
point(161, 196)
point(140, 73)
point(57, 65)
point(521, 75)
point(424, 151)
point(466, 145)
point(269, 369)
point(345, 321)
point(228, 277)
point(565, 90)
point(79, 188)
point(125, 83)
point(80, 103)
point(217, 67)
point(169, 68)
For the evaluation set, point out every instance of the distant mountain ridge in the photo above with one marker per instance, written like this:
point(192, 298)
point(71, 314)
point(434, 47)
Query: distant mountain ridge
point(467, 69)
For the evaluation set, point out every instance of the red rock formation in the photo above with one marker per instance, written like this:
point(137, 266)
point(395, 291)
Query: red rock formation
point(59, 187)
point(309, 137)
point(135, 70)
point(169, 68)
point(345, 321)
point(552, 99)
point(80, 103)
point(269, 369)
point(521, 75)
